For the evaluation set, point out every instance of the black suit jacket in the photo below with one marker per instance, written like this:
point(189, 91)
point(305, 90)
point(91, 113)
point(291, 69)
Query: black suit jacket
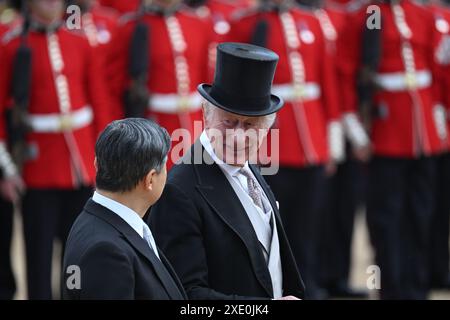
point(114, 261)
point(201, 226)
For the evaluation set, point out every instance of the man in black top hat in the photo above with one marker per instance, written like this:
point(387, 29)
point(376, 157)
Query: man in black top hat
point(217, 220)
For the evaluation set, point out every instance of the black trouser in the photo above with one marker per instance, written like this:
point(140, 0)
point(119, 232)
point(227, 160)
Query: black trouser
point(47, 214)
point(399, 211)
point(7, 282)
point(439, 250)
point(345, 193)
point(299, 192)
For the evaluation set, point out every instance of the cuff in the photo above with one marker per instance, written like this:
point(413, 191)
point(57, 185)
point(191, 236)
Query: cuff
point(354, 130)
point(336, 141)
point(440, 120)
point(6, 163)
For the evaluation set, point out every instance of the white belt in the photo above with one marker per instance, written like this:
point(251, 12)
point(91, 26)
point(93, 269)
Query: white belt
point(401, 81)
point(174, 103)
point(57, 122)
point(306, 92)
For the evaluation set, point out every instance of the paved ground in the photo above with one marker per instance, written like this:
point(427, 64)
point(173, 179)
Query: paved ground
point(362, 258)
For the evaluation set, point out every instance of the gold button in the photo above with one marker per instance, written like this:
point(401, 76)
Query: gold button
point(65, 123)
point(411, 81)
point(299, 91)
point(183, 104)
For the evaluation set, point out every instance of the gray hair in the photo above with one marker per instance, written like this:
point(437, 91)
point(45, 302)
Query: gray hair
point(127, 150)
point(208, 110)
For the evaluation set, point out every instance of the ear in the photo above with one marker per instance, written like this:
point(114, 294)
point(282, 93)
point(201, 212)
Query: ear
point(207, 117)
point(148, 181)
point(204, 116)
point(95, 164)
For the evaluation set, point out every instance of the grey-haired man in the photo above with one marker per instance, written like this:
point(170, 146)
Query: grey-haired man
point(217, 221)
point(110, 246)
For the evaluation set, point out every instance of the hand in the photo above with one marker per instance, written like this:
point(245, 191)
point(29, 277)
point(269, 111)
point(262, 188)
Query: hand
point(288, 298)
point(330, 168)
point(11, 188)
point(362, 153)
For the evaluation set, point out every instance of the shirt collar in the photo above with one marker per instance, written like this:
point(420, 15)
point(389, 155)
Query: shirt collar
point(130, 216)
point(228, 169)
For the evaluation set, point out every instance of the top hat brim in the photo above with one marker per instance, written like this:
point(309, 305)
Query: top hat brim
point(276, 103)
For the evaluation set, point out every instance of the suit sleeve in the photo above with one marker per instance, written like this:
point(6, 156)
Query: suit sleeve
point(177, 226)
point(106, 273)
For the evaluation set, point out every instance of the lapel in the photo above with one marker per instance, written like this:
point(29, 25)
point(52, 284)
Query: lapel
point(219, 194)
point(285, 251)
point(266, 189)
point(174, 276)
point(138, 244)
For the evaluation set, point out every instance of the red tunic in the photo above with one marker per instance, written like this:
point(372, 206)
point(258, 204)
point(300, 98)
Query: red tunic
point(337, 12)
point(122, 6)
point(64, 79)
point(441, 16)
point(167, 86)
point(407, 117)
point(304, 122)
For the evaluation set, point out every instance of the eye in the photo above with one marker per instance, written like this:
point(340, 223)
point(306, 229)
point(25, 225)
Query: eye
point(249, 124)
point(228, 122)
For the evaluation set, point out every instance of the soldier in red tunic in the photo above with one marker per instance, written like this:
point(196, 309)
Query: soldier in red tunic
point(122, 6)
point(407, 129)
point(345, 188)
point(9, 18)
point(176, 42)
point(439, 248)
point(62, 105)
point(98, 24)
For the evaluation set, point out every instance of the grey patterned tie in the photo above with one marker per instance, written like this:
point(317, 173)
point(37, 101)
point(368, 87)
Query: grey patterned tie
point(151, 242)
point(253, 189)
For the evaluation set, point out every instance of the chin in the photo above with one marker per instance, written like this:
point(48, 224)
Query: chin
point(236, 161)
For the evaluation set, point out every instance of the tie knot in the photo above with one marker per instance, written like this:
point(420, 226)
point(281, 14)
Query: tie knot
point(146, 232)
point(246, 173)
point(147, 235)
point(253, 190)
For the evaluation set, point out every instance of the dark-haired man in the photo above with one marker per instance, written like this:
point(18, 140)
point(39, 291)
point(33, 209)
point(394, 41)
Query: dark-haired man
point(110, 244)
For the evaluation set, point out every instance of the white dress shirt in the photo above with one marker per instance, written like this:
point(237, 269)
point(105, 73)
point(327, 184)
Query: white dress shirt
point(232, 172)
point(130, 216)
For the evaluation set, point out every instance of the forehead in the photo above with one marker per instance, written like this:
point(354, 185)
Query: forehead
point(222, 114)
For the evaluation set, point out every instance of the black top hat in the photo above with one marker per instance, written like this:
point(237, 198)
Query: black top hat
point(243, 80)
